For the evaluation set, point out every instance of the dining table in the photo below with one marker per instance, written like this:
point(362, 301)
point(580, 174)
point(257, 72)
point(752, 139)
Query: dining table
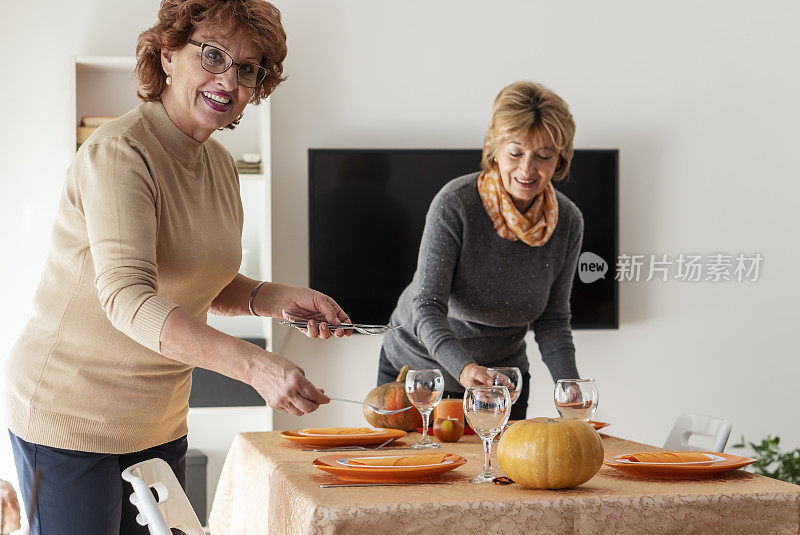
point(269, 485)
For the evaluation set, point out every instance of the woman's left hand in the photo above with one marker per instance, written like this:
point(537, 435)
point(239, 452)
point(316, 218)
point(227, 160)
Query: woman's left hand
point(296, 303)
point(475, 375)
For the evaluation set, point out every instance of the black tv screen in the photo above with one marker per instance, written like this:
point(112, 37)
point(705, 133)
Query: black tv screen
point(367, 211)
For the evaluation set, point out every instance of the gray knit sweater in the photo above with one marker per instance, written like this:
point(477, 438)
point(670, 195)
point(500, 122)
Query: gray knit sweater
point(474, 294)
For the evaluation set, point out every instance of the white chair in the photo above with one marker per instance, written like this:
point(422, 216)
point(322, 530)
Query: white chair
point(697, 424)
point(172, 510)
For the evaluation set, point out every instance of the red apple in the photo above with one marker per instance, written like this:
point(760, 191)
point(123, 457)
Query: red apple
point(448, 429)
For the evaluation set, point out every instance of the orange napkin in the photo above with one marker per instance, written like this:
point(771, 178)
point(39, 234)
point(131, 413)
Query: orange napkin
point(408, 460)
point(667, 457)
point(338, 431)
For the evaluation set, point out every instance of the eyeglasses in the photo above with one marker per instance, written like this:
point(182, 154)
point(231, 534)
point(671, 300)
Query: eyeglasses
point(217, 61)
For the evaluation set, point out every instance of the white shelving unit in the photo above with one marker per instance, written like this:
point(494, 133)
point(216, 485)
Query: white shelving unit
point(106, 86)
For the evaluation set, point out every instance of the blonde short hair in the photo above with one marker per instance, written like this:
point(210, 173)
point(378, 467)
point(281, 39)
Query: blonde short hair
point(535, 110)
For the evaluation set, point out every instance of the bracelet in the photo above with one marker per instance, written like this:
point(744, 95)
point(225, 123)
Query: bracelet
point(253, 296)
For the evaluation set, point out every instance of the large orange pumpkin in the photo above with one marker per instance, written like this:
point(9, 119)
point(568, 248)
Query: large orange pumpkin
point(550, 453)
point(392, 396)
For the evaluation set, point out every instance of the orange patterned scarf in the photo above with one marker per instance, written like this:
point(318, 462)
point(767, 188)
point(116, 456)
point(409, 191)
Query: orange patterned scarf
point(534, 227)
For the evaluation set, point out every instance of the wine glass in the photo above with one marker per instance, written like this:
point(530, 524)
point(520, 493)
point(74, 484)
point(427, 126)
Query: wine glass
point(424, 389)
point(511, 378)
point(576, 398)
point(487, 409)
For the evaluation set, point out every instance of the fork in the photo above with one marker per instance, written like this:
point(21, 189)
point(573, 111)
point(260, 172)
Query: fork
point(373, 407)
point(348, 448)
point(358, 327)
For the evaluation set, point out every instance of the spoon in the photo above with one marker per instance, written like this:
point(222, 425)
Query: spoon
point(373, 407)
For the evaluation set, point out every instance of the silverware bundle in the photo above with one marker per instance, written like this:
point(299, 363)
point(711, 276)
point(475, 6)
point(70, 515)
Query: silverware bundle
point(362, 328)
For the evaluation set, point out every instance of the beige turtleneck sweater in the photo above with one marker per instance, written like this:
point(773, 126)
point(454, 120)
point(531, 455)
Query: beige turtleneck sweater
point(149, 219)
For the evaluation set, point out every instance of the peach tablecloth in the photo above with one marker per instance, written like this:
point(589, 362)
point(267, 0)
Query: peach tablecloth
point(269, 486)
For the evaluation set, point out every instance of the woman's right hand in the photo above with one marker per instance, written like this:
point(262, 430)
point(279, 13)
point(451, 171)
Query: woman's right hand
point(475, 375)
point(284, 386)
point(9, 520)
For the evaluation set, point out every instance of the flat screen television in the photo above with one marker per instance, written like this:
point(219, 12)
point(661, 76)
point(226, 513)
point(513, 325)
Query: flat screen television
point(367, 211)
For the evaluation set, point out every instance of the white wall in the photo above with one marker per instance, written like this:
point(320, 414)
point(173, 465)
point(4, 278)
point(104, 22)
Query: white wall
point(699, 97)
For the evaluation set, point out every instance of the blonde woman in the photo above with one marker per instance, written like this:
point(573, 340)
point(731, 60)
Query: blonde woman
point(497, 257)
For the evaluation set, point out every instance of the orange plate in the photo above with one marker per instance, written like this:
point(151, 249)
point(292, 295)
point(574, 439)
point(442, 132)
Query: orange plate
point(383, 474)
point(682, 471)
point(598, 425)
point(342, 440)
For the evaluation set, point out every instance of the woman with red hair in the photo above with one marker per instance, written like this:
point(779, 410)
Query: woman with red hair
point(147, 241)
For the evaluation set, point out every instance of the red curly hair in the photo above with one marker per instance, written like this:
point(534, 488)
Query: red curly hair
point(257, 21)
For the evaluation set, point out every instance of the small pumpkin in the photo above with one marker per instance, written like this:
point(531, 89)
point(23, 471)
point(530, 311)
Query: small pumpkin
point(550, 453)
point(392, 396)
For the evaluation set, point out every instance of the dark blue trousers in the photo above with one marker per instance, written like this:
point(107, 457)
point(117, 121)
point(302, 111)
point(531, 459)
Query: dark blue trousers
point(83, 493)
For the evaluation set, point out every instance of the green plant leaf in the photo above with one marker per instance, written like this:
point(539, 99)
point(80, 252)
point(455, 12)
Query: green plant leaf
point(772, 462)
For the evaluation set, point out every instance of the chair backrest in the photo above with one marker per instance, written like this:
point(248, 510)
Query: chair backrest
point(697, 424)
point(172, 510)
